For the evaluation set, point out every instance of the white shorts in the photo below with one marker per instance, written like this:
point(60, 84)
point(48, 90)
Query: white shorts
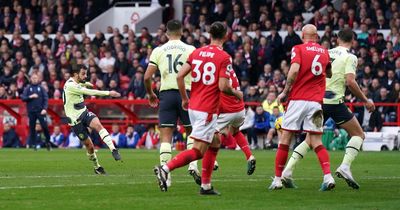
point(303, 113)
point(235, 119)
point(203, 125)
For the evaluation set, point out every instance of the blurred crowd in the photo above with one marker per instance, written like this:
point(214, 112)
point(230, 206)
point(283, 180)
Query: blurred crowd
point(261, 62)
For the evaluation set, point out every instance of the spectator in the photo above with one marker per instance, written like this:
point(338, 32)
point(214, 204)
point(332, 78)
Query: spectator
point(110, 75)
point(36, 98)
point(383, 98)
point(118, 138)
point(10, 137)
point(73, 141)
point(136, 87)
point(252, 95)
point(132, 137)
point(57, 138)
point(291, 40)
point(149, 139)
point(270, 103)
point(37, 141)
point(261, 124)
point(276, 113)
point(106, 61)
point(121, 64)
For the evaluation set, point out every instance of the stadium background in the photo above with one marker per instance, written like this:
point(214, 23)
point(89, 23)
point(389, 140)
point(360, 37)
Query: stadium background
point(48, 37)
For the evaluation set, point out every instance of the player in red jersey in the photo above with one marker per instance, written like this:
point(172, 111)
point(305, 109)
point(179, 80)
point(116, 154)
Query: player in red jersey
point(305, 88)
point(231, 117)
point(209, 67)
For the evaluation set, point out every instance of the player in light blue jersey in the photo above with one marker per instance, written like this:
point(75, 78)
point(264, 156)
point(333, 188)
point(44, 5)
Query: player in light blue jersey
point(80, 118)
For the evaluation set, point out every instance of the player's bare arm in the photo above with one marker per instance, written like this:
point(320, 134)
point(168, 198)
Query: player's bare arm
point(291, 78)
point(355, 90)
point(180, 79)
point(151, 70)
point(226, 88)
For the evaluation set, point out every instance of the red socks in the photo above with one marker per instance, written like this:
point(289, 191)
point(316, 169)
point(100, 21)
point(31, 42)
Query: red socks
point(281, 158)
point(208, 164)
point(184, 158)
point(323, 157)
point(243, 144)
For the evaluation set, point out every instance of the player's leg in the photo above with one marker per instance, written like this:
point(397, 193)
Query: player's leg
point(43, 123)
point(234, 129)
point(281, 158)
point(83, 134)
point(299, 152)
point(181, 159)
point(323, 157)
point(95, 124)
point(346, 120)
point(292, 119)
point(313, 124)
point(353, 147)
point(93, 157)
point(203, 132)
point(193, 168)
point(208, 167)
point(165, 145)
point(185, 120)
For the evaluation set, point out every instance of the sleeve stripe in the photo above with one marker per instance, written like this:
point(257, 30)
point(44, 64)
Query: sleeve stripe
point(151, 62)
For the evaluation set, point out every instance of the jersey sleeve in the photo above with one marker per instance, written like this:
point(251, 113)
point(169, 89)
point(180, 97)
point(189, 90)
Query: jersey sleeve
point(351, 65)
point(77, 89)
point(225, 67)
point(154, 57)
point(296, 55)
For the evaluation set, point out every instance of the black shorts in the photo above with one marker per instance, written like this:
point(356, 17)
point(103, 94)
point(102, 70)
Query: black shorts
point(171, 109)
point(81, 129)
point(338, 112)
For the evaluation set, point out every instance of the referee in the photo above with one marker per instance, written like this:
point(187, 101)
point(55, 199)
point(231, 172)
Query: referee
point(36, 99)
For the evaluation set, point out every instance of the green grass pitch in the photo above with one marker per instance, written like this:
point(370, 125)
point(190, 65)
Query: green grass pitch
point(64, 179)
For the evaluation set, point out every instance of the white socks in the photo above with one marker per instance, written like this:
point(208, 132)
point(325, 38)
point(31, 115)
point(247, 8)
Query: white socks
point(352, 149)
point(105, 136)
point(299, 152)
point(165, 153)
point(93, 158)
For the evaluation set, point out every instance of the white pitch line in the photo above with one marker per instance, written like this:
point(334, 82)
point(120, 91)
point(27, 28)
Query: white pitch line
point(178, 181)
point(265, 176)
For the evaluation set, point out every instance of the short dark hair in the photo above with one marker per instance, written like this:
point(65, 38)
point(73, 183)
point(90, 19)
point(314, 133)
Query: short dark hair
point(77, 68)
point(218, 30)
point(174, 26)
point(346, 35)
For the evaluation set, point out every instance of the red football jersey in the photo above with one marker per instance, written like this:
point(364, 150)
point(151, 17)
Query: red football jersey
point(208, 63)
point(230, 104)
point(310, 82)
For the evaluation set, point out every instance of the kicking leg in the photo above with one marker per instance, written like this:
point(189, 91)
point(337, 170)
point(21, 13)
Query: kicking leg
point(105, 136)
